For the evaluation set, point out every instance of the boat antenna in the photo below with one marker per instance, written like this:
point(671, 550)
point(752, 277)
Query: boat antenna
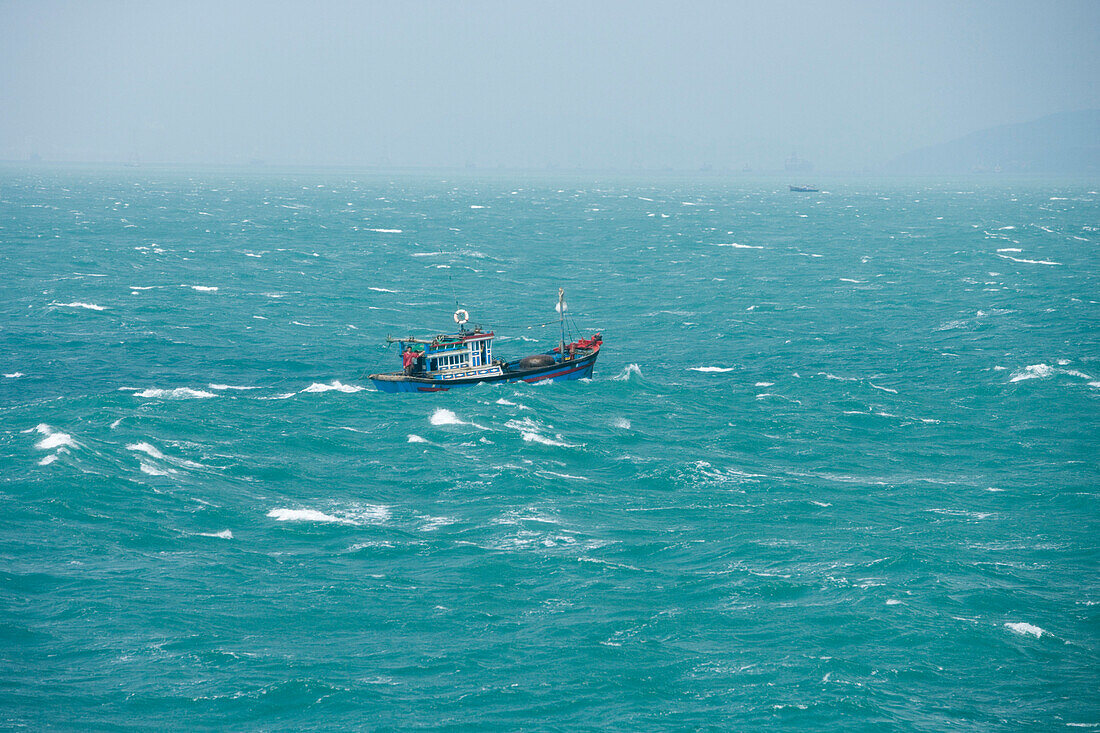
point(451, 282)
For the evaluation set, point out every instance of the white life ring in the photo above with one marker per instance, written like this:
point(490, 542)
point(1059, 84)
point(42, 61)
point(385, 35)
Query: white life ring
point(461, 316)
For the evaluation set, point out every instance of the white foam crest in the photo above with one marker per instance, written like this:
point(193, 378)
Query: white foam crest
point(47, 460)
point(532, 437)
point(1010, 249)
point(179, 393)
point(384, 231)
point(146, 448)
point(79, 304)
point(566, 476)
point(850, 280)
point(222, 387)
point(427, 254)
point(153, 470)
point(764, 384)
point(735, 245)
point(625, 374)
point(884, 389)
point(620, 422)
point(1029, 262)
point(1026, 629)
point(225, 534)
point(382, 290)
point(709, 369)
point(1035, 371)
point(416, 439)
point(336, 385)
point(443, 416)
point(14, 375)
point(306, 515)
point(371, 513)
point(53, 439)
point(203, 288)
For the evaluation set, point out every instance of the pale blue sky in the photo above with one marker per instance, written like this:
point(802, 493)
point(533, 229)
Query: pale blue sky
point(525, 84)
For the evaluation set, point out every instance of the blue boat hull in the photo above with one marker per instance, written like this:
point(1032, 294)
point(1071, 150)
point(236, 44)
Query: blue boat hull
point(559, 372)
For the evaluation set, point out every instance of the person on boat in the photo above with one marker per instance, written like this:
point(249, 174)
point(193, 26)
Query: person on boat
point(408, 358)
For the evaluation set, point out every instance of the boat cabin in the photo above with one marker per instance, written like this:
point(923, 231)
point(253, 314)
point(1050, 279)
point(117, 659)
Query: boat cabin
point(454, 356)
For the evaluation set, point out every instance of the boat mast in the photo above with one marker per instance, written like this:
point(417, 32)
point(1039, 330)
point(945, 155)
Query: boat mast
point(561, 313)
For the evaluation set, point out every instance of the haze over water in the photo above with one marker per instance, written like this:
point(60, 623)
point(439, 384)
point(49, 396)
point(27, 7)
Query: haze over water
point(836, 467)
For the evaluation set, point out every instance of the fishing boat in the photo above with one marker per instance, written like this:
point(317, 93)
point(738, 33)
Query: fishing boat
point(804, 189)
point(463, 359)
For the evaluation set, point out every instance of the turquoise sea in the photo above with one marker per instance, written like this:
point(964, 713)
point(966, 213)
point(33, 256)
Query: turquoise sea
point(836, 470)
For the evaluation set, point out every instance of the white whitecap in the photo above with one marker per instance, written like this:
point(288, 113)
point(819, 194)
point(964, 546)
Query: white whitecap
point(416, 439)
point(710, 369)
point(764, 384)
point(306, 515)
point(14, 375)
point(532, 437)
point(384, 231)
point(1030, 262)
point(336, 385)
point(624, 375)
point(179, 393)
point(225, 534)
point(78, 304)
point(154, 470)
point(146, 448)
point(203, 288)
point(1026, 629)
point(1035, 371)
point(620, 422)
point(53, 439)
point(443, 416)
point(223, 387)
point(382, 290)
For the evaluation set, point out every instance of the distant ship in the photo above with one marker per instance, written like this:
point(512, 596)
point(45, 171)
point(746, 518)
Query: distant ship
point(805, 189)
point(794, 164)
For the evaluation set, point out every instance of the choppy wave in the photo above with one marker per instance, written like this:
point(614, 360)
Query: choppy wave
point(334, 386)
point(1025, 629)
point(625, 374)
point(1044, 371)
point(53, 438)
point(178, 393)
point(79, 304)
point(307, 515)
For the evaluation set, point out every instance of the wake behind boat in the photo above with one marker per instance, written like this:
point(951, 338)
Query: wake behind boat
point(463, 359)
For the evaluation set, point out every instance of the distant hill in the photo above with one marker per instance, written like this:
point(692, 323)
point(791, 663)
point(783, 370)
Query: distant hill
point(1063, 144)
